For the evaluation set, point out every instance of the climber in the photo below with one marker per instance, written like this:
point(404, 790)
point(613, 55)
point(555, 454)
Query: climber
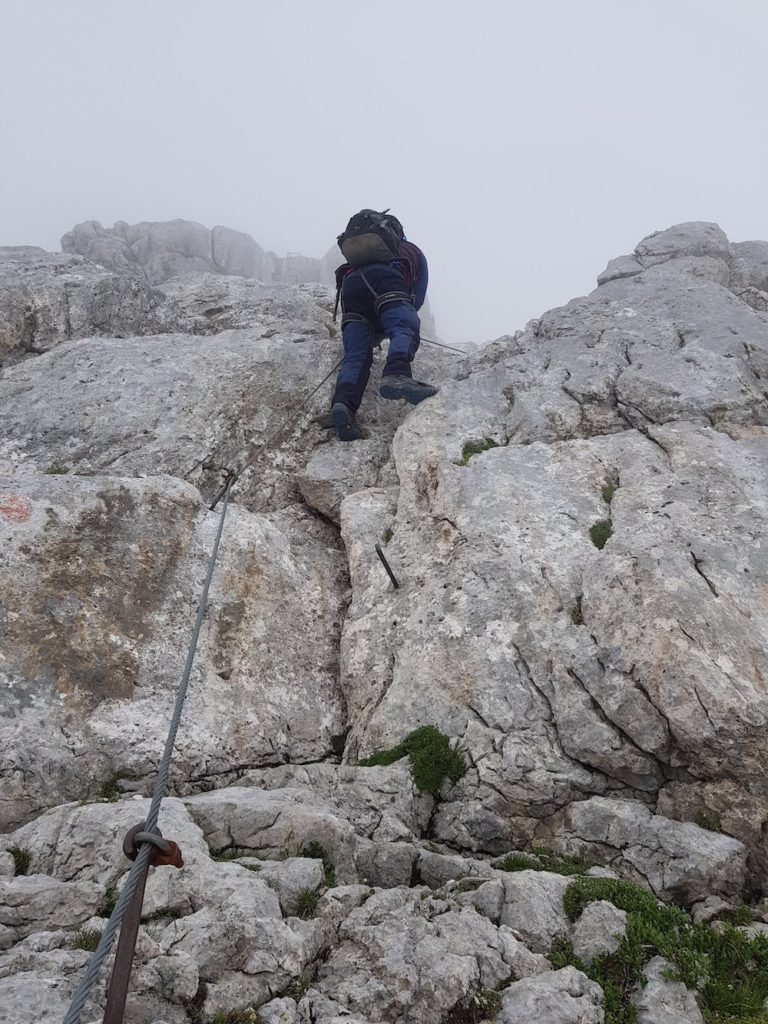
point(381, 286)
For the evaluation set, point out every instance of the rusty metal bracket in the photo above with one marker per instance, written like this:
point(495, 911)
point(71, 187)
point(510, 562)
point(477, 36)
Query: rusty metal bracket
point(385, 563)
point(230, 476)
point(164, 852)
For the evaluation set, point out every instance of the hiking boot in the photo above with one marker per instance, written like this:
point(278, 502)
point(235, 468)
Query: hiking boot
point(413, 391)
point(324, 421)
point(346, 425)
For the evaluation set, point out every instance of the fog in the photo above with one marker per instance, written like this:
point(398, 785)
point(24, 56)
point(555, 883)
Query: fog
point(522, 145)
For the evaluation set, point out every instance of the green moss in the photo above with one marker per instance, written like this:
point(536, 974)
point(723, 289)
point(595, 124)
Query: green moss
point(431, 759)
point(246, 1015)
point(21, 859)
point(316, 851)
point(706, 820)
point(86, 938)
point(475, 448)
point(728, 971)
point(542, 859)
point(107, 904)
point(577, 616)
point(482, 1005)
point(387, 535)
point(56, 470)
point(600, 533)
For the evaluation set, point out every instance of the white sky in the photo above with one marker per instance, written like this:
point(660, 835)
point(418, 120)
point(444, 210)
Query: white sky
point(522, 144)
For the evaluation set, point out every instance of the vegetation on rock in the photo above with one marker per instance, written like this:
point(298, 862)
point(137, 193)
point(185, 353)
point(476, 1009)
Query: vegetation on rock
point(431, 758)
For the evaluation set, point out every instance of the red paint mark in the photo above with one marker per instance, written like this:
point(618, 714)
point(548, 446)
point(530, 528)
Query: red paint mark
point(15, 510)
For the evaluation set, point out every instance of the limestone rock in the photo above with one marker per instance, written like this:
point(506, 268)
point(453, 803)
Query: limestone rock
point(533, 907)
point(288, 878)
point(401, 959)
point(100, 579)
point(561, 997)
point(662, 1001)
point(48, 298)
point(599, 930)
point(275, 823)
point(37, 903)
point(678, 860)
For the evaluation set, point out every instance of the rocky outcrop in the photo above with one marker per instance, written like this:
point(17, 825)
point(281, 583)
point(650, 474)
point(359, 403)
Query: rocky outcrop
point(158, 251)
point(47, 298)
point(575, 525)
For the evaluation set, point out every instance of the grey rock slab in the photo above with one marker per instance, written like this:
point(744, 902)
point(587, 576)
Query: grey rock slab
point(599, 930)
point(35, 903)
point(50, 298)
point(381, 802)
point(289, 878)
point(7, 865)
point(436, 869)
point(279, 1011)
point(560, 997)
point(678, 860)
point(692, 238)
point(276, 823)
point(100, 582)
point(386, 864)
point(401, 958)
point(533, 907)
point(37, 985)
point(661, 1001)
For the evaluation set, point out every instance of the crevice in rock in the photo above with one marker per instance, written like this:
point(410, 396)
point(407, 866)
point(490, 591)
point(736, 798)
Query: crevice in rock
point(697, 562)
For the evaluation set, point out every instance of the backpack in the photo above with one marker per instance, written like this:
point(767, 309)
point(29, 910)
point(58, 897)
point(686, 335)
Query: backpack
point(370, 237)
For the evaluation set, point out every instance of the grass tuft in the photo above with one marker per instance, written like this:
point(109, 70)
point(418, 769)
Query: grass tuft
point(608, 491)
point(727, 971)
point(543, 860)
point(86, 938)
point(21, 859)
point(600, 533)
point(431, 759)
point(108, 901)
point(108, 789)
point(316, 851)
point(306, 903)
point(475, 448)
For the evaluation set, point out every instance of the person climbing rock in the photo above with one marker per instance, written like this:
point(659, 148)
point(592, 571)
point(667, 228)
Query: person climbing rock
point(381, 286)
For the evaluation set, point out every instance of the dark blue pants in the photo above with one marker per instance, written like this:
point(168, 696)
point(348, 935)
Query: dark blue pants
point(397, 319)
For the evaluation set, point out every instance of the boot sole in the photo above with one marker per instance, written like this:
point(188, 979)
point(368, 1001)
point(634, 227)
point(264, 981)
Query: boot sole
point(411, 393)
point(344, 422)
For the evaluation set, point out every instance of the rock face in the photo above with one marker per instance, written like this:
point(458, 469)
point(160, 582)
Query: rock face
point(46, 298)
point(576, 526)
point(158, 251)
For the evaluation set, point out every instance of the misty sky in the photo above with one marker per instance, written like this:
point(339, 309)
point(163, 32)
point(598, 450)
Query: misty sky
point(521, 144)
